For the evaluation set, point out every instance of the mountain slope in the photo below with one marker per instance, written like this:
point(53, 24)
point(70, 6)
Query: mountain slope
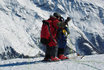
point(16, 21)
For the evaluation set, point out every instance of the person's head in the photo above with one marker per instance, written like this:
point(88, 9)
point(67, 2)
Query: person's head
point(57, 15)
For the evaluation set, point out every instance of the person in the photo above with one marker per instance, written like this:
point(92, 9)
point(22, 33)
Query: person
point(51, 45)
point(62, 40)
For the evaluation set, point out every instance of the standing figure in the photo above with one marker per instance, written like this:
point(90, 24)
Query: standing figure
point(62, 40)
point(49, 36)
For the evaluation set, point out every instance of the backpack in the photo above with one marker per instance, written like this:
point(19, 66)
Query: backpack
point(45, 32)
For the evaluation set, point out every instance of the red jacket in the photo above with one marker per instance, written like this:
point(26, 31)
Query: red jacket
point(53, 29)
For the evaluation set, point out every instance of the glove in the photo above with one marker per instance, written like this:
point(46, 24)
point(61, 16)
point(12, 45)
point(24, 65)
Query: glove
point(68, 18)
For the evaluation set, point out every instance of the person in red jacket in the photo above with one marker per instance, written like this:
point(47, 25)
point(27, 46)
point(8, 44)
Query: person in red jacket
point(51, 42)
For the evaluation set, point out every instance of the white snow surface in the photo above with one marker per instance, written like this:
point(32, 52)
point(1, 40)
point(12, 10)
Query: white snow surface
point(94, 62)
point(20, 22)
point(20, 25)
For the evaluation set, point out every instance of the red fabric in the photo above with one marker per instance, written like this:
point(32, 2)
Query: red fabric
point(45, 32)
point(63, 57)
point(55, 59)
point(53, 29)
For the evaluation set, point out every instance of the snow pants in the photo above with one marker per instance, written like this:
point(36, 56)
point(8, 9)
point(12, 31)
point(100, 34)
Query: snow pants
point(51, 51)
point(62, 43)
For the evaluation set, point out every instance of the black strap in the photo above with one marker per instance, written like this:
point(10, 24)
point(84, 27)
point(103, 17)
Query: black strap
point(51, 34)
point(53, 26)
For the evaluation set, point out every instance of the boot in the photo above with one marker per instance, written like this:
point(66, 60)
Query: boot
point(63, 57)
point(61, 54)
point(54, 58)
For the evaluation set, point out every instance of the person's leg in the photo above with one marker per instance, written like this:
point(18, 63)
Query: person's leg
point(61, 54)
point(53, 53)
point(47, 53)
point(61, 50)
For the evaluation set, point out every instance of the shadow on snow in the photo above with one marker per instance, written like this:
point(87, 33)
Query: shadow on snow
point(19, 63)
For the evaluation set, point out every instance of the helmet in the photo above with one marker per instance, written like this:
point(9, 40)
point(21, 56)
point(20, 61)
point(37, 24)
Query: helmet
point(56, 15)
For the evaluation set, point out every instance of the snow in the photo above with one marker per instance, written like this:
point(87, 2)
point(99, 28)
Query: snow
point(94, 62)
point(20, 25)
point(10, 36)
point(24, 18)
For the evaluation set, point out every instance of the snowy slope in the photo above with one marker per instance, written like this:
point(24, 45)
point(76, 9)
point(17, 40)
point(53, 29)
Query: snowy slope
point(16, 21)
point(20, 25)
point(87, 21)
point(87, 63)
